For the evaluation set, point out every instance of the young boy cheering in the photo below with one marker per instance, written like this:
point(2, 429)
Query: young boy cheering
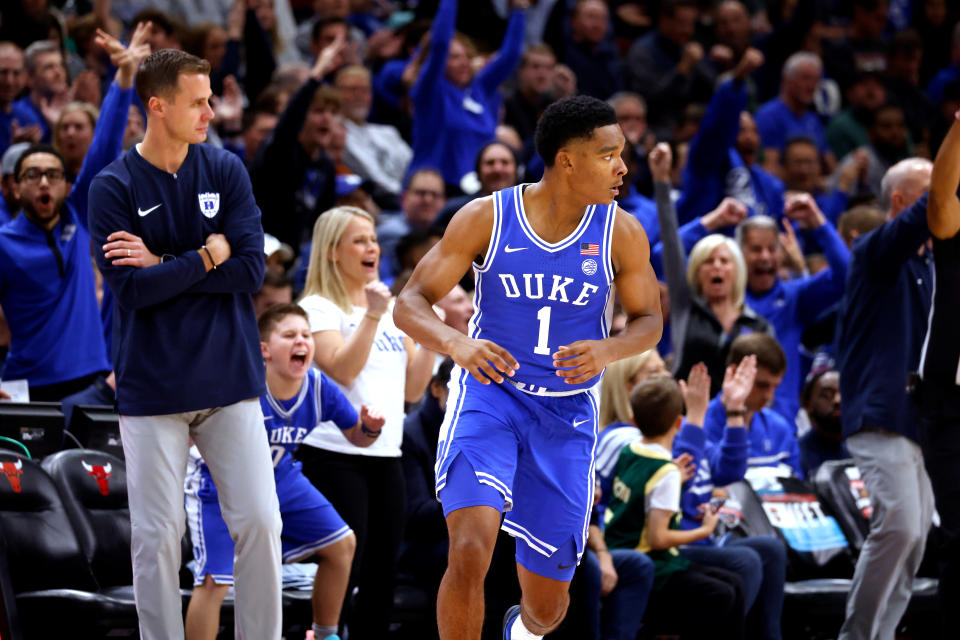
point(297, 399)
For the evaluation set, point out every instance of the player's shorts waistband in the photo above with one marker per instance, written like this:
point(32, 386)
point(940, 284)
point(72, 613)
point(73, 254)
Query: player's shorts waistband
point(535, 390)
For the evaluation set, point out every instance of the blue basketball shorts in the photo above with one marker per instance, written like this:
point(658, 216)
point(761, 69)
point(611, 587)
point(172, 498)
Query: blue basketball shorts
point(310, 522)
point(529, 456)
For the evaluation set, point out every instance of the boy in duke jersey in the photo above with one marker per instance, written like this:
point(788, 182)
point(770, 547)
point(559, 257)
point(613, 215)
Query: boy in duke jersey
point(546, 258)
point(297, 399)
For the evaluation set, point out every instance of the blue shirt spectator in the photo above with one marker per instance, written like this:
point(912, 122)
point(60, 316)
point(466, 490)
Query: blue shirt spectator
point(590, 54)
point(721, 161)
point(771, 440)
point(47, 287)
point(791, 305)
point(455, 111)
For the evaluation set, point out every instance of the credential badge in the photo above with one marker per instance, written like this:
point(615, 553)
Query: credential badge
point(209, 203)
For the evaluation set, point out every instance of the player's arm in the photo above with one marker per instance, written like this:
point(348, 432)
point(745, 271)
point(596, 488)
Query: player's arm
point(420, 361)
point(943, 208)
point(639, 294)
point(467, 236)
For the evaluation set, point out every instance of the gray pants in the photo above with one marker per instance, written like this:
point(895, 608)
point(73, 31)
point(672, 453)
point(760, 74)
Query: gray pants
point(234, 445)
point(892, 469)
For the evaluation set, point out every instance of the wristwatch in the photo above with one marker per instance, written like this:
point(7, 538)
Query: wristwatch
point(167, 257)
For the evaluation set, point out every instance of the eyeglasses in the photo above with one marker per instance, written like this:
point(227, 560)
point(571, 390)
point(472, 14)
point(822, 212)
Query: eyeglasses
point(33, 174)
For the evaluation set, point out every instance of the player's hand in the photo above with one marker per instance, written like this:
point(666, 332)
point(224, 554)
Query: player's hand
point(684, 462)
point(737, 384)
point(378, 298)
point(218, 247)
point(372, 419)
point(660, 160)
point(4, 395)
point(484, 360)
point(128, 250)
point(581, 360)
point(608, 573)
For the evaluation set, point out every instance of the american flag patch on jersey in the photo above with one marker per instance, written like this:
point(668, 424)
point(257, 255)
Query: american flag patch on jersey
point(589, 249)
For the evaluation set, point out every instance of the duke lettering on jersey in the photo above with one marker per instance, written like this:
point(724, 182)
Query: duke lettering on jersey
point(533, 297)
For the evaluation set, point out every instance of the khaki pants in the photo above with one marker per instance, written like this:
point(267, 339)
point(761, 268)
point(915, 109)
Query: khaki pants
point(233, 443)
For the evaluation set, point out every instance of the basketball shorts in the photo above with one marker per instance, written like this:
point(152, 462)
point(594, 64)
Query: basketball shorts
point(310, 522)
point(529, 456)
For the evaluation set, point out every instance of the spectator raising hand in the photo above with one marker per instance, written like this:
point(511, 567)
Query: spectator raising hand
point(126, 59)
point(696, 394)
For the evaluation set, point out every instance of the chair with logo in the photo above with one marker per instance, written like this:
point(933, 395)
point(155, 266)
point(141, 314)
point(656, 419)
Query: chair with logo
point(48, 569)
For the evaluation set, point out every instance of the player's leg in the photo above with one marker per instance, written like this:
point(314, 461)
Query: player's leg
point(155, 448)
point(476, 463)
point(203, 612)
point(553, 496)
point(473, 534)
point(212, 553)
point(233, 443)
point(543, 605)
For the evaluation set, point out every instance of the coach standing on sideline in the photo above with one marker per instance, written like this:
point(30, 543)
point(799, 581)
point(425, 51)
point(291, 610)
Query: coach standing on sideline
point(883, 317)
point(939, 393)
point(182, 251)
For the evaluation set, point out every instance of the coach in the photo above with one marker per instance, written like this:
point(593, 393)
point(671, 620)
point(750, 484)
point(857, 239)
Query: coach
point(182, 252)
point(939, 397)
point(883, 317)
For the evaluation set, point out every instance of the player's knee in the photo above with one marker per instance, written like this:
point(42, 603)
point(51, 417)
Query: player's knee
point(470, 552)
point(547, 613)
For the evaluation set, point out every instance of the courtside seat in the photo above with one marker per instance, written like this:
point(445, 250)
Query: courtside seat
point(49, 572)
point(94, 489)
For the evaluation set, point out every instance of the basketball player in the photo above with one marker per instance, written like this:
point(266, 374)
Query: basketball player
point(185, 254)
point(298, 398)
point(520, 429)
point(939, 393)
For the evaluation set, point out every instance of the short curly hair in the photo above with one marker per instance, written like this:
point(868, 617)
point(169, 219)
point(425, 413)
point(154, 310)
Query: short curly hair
point(570, 119)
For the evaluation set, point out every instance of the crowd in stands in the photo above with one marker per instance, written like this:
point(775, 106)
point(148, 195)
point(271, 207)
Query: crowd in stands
point(777, 151)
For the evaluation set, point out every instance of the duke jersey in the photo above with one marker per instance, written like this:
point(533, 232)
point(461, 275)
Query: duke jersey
point(533, 296)
point(289, 421)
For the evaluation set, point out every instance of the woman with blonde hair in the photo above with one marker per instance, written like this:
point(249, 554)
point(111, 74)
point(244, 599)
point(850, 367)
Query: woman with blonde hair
point(73, 133)
point(374, 363)
point(707, 308)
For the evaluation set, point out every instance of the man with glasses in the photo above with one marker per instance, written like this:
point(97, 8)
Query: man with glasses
point(422, 200)
point(47, 287)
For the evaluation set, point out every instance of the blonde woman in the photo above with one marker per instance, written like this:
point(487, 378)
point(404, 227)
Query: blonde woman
point(707, 308)
point(73, 133)
point(374, 363)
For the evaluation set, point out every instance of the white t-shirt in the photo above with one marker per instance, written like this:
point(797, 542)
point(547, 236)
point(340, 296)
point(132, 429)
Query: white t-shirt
point(666, 493)
point(379, 385)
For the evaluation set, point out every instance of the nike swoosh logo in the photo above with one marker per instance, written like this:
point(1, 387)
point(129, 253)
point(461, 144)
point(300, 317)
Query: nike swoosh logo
point(577, 423)
point(565, 566)
point(510, 249)
point(143, 213)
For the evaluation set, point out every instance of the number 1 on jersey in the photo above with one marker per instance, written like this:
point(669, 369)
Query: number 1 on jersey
point(543, 336)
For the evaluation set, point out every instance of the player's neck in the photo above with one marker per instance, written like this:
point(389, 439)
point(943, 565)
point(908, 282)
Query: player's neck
point(282, 387)
point(162, 151)
point(550, 205)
